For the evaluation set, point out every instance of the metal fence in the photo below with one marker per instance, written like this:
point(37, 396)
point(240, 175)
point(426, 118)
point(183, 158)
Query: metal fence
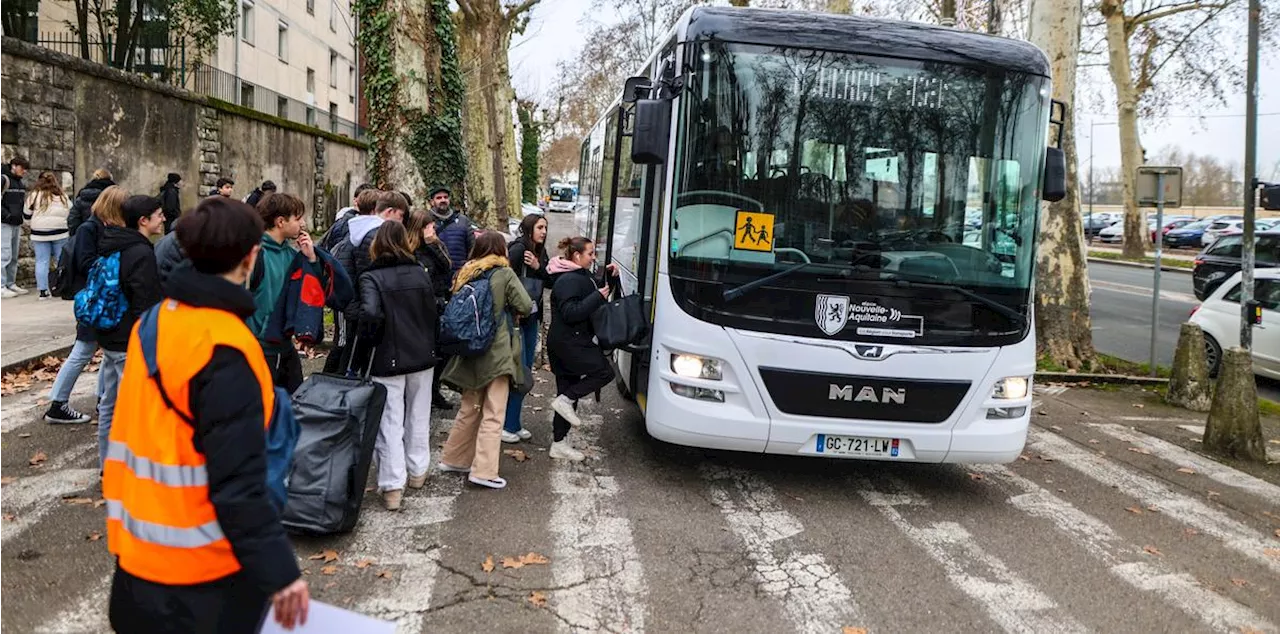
point(169, 64)
point(230, 88)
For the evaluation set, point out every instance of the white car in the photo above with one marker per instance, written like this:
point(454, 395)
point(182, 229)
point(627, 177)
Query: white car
point(1219, 227)
point(1114, 233)
point(1219, 317)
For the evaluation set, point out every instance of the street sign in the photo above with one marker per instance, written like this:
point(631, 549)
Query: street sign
point(1172, 181)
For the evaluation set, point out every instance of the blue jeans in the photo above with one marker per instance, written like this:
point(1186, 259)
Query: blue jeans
point(81, 354)
point(529, 339)
point(10, 235)
point(108, 384)
point(46, 251)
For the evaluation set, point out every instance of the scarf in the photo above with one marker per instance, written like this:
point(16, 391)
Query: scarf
point(475, 268)
point(559, 264)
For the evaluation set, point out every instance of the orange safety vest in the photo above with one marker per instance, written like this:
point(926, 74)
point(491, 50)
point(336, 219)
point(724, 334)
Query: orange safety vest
point(160, 522)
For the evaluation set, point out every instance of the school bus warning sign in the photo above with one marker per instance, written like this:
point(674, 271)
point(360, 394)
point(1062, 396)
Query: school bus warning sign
point(753, 231)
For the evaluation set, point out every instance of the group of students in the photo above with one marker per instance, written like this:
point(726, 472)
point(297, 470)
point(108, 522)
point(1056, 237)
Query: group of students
point(196, 537)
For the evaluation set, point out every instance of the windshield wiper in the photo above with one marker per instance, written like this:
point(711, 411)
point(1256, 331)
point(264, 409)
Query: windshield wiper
point(739, 291)
point(1014, 316)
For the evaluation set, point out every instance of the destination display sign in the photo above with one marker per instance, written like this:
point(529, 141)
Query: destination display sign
point(897, 87)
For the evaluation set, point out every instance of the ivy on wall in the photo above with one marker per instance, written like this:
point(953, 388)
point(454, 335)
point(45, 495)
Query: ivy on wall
point(432, 136)
point(530, 131)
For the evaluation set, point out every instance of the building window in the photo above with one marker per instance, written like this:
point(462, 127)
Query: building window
point(333, 117)
point(246, 95)
point(311, 117)
point(282, 45)
point(246, 22)
point(353, 85)
point(333, 16)
point(333, 69)
point(282, 107)
point(22, 19)
point(311, 7)
point(311, 81)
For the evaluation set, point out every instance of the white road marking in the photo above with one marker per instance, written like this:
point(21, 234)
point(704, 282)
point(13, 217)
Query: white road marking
point(1143, 291)
point(1154, 419)
point(1172, 504)
point(814, 597)
point(596, 561)
point(391, 538)
point(1195, 429)
point(23, 409)
point(1206, 467)
point(1050, 390)
point(1128, 561)
point(1013, 603)
point(31, 497)
point(87, 614)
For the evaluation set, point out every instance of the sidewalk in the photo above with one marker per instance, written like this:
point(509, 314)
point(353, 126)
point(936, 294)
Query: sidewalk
point(30, 329)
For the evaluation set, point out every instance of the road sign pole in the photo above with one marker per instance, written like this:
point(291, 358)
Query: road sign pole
point(1250, 176)
point(1155, 295)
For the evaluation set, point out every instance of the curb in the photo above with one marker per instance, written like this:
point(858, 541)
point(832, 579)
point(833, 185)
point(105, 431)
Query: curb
point(1140, 265)
point(1117, 379)
point(12, 366)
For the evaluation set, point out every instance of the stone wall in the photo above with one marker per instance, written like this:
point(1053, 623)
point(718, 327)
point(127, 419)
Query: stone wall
point(73, 116)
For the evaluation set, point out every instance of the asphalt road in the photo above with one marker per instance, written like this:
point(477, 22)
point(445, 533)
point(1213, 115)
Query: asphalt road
point(1120, 309)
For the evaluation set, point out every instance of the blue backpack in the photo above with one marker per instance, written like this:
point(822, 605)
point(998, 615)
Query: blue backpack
point(101, 304)
point(282, 432)
point(467, 325)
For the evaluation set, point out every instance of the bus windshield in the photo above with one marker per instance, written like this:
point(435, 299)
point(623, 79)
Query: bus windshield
point(562, 193)
point(875, 172)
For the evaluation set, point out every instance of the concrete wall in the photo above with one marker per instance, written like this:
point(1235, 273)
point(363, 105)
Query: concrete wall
point(73, 116)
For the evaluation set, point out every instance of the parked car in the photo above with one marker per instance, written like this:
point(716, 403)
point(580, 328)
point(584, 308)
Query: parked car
point(1094, 226)
point(1222, 259)
point(1114, 233)
point(1219, 317)
point(1219, 227)
point(1187, 235)
point(1171, 223)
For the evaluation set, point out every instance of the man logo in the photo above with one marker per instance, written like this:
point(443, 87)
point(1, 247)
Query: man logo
point(831, 312)
point(867, 394)
point(868, 352)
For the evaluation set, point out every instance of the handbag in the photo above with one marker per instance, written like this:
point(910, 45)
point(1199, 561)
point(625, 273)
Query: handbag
point(621, 322)
point(533, 286)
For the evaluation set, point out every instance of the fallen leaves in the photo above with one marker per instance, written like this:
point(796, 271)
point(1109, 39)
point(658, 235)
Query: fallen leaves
point(329, 570)
point(327, 556)
point(93, 537)
point(38, 459)
point(528, 559)
point(1139, 405)
point(385, 574)
point(487, 566)
point(538, 599)
point(364, 563)
point(977, 476)
point(1238, 582)
point(853, 630)
point(1190, 532)
point(1187, 470)
point(518, 454)
point(1273, 553)
point(1278, 533)
point(1152, 550)
point(1135, 510)
point(7, 480)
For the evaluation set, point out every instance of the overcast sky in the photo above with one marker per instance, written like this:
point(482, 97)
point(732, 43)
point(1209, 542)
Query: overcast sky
point(557, 27)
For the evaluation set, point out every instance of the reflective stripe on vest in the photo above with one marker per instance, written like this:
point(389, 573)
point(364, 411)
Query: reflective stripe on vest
point(161, 524)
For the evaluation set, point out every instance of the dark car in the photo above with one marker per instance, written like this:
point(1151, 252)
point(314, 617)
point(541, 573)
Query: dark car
point(1187, 235)
point(1094, 225)
point(1220, 260)
point(1171, 223)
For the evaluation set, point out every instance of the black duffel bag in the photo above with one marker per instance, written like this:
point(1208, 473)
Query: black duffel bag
point(621, 322)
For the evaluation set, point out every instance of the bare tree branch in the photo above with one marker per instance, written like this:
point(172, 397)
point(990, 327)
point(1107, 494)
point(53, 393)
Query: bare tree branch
point(1164, 12)
point(514, 12)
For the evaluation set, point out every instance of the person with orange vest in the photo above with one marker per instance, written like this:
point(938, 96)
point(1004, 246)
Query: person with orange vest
point(199, 547)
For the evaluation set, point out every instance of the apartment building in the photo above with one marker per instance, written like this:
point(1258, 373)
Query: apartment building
point(295, 59)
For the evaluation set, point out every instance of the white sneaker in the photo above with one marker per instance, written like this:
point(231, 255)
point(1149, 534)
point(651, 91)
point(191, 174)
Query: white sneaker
point(524, 434)
point(509, 437)
point(18, 289)
point(7, 294)
point(496, 483)
point(564, 407)
point(562, 451)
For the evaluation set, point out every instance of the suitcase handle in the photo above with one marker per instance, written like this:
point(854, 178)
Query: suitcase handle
point(368, 370)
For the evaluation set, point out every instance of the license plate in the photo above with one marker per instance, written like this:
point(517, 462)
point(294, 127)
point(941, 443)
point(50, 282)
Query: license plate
point(857, 446)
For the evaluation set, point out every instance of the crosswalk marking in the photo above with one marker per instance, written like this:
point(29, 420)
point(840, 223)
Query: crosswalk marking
point(1204, 466)
point(1177, 506)
point(31, 497)
point(1127, 561)
point(815, 598)
point(596, 562)
point(87, 614)
point(1013, 603)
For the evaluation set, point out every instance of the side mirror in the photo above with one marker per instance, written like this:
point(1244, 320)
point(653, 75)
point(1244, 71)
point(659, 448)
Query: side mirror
point(651, 131)
point(635, 88)
point(1270, 197)
point(1054, 187)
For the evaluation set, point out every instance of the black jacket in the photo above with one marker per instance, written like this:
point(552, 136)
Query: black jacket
point(169, 255)
point(226, 405)
point(13, 199)
point(84, 250)
point(433, 258)
point(170, 202)
point(515, 254)
point(337, 233)
point(570, 340)
point(397, 308)
point(82, 206)
point(139, 278)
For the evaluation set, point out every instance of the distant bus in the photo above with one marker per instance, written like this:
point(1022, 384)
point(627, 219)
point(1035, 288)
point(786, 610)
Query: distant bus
point(562, 197)
point(832, 222)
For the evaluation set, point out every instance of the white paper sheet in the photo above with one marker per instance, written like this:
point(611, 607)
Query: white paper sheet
point(323, 618)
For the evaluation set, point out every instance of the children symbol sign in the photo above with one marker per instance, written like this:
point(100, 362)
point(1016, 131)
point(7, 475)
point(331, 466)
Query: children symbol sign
point(753, 231)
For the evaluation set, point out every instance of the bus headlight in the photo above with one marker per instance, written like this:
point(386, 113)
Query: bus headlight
point(695, 367)
point(1011, 388)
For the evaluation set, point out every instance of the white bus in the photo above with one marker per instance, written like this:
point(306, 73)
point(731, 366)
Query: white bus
point(561, 197)
point(832, 220)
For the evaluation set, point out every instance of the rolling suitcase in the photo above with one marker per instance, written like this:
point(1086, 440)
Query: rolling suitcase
point(338, 418)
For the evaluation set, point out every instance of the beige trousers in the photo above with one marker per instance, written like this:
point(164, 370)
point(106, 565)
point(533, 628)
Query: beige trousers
point(476, 437)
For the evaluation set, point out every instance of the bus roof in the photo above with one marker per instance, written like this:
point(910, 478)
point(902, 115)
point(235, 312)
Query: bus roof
point(865, 36)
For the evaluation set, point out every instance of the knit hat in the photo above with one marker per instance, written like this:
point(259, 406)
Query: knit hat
point(174, 177)
point(437, 189)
